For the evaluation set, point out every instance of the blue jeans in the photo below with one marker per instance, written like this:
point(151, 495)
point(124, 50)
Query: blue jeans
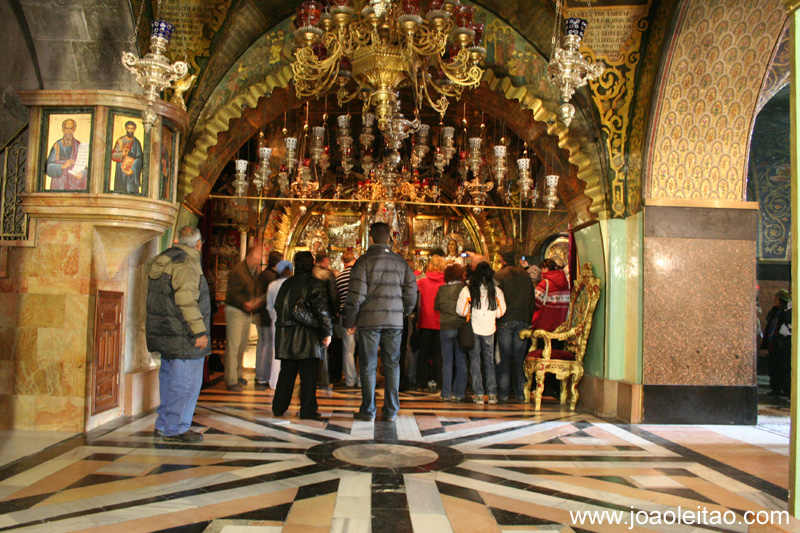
point(179, 382)
point(389, 342)
point(349, 357)
point(483, 352)
point(510, 371)
point(453, 355)
point(265, 353)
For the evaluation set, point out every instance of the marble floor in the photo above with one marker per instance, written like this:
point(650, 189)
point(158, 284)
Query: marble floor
point(441, 467)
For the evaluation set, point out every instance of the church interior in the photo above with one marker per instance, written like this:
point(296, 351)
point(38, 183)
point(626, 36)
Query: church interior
point(645, 145)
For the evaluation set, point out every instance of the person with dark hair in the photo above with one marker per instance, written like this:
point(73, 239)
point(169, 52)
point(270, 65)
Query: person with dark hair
point(351, 377)
point(285, 270)
point(429, 360)
point(528, 263)
point(552, 297)
point(453, 357)
point(265, 347)
point(482, 303)
point(778, 356)
point(518, 289)
point(323, 272)
point(177, 326)
point(240, 303)
point(129, 157)
point(382, 291)
point(298, 346)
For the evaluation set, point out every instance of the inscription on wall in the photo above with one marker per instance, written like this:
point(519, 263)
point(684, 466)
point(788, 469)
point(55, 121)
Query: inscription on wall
point(196, 23)
point(609, 31)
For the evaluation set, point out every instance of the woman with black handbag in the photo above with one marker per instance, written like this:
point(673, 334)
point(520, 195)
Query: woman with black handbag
point(454, 357)
point(482, 302)
point(303, 329)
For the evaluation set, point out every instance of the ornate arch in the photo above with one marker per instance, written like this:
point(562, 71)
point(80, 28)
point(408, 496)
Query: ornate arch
point(707, 98)
point(218, 136)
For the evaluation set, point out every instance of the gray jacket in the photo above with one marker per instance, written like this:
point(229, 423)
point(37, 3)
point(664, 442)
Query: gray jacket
point(178, 304)
point(381, 292)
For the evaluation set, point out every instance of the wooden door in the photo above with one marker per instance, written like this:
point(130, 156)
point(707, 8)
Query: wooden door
point(107, 351)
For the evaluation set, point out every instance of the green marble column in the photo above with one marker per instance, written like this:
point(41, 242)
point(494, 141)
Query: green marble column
point(795, 89)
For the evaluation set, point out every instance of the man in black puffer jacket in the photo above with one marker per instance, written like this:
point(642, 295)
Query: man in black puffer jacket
point(382, 291)
point(177, 326)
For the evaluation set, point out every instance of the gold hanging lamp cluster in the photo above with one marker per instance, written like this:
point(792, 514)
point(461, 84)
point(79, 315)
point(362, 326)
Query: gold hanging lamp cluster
point(389, 45)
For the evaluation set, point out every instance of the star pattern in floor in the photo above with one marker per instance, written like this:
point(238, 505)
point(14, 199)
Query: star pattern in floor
point(441, 467)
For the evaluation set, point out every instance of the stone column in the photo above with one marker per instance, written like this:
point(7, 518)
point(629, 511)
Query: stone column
point(79, 244)
point(698, 339)
point(794, 468)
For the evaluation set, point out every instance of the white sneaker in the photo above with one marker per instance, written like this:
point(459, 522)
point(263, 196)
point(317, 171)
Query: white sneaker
point(478, 400)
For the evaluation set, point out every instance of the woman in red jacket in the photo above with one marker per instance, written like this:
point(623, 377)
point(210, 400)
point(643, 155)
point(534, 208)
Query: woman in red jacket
point(429, 361)
point(552, 297)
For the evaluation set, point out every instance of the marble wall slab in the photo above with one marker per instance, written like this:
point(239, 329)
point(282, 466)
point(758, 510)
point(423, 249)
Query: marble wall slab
point(699, 293)
point(45, 331)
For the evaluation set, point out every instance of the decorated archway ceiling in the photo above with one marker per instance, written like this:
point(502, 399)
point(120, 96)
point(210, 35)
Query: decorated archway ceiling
point(264, 67)
point(222, 37)
point(710, 89)
point(213, 35)
point(769, 176)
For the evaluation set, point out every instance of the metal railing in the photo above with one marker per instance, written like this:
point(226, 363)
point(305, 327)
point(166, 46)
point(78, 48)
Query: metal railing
point(14, 157)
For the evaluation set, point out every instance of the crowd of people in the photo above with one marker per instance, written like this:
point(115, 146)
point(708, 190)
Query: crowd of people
point(431, 331)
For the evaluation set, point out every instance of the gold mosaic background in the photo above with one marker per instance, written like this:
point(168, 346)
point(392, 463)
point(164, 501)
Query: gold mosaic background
point(708, 96)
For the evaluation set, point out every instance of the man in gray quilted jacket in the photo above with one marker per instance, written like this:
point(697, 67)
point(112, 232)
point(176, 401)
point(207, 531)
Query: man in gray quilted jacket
point(177, 326)
point(382, 291)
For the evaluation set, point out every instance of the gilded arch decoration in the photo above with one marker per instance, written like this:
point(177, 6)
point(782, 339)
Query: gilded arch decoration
point(238, 107)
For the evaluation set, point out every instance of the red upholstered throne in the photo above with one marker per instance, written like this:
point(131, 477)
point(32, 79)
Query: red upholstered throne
point(566, 364)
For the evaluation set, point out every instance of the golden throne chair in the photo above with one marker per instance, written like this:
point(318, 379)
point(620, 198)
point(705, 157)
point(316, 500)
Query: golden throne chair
point(566, 364)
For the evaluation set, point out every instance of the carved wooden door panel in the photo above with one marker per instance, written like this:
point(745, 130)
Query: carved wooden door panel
point(107, 351)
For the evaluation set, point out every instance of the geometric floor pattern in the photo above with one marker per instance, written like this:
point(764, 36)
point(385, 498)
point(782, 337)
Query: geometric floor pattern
point(441, 467)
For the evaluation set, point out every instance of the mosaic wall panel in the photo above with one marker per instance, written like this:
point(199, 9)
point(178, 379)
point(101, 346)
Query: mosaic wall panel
point(196, 24)
point(769, 177)
point(709, 91)
point(780, 69)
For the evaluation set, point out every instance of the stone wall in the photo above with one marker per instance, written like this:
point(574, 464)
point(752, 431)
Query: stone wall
point(61, 45)
point(698, 338)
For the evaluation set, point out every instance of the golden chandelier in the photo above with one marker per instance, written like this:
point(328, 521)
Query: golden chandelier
point(389, 45)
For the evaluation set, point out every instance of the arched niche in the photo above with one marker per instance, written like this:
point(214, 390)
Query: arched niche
point(255, 87)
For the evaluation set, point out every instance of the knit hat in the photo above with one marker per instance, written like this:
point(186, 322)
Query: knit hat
point(283, 265)
point(784, 295)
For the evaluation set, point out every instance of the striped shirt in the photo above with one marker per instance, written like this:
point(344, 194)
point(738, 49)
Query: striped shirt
point(342, 282)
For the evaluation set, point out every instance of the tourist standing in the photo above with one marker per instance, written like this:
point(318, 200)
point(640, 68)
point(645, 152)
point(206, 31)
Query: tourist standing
point(351, 377)
point(382, 291)
point(429, 360)
point(177, 326)
point(482, 303)
point(518, 290)
point(265, 348)
point(453, 357)
point(240, 302)
point(300, 346)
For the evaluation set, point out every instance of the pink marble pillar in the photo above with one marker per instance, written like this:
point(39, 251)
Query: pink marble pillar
point(79, 244)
